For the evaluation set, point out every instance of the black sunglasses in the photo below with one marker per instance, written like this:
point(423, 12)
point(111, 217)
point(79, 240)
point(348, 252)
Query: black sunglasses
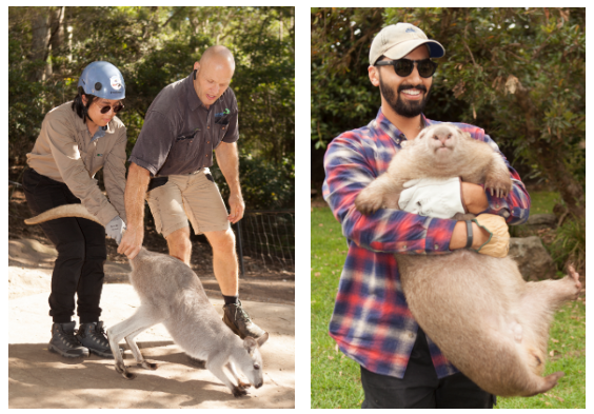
point(404, 67)
point(115, 109)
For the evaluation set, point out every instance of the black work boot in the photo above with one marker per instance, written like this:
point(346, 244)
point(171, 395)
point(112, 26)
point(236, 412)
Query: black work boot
point(65, 343)
point(92, 335)
point(239, 321)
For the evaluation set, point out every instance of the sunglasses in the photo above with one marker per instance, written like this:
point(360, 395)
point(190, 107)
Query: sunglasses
point(115, 109)
point(404, 67)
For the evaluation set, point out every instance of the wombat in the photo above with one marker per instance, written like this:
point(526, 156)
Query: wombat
point(487, 321)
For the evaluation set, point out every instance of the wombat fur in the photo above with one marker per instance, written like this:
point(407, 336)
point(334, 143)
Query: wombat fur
point(487, 321)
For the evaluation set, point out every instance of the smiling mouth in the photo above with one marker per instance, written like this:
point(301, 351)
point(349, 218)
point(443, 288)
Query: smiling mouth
point(413, 93)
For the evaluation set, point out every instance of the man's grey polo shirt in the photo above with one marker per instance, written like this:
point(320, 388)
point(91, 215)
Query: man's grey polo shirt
point(179, 134)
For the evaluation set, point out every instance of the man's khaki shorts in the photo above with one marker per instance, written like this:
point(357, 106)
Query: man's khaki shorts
point(195, 197)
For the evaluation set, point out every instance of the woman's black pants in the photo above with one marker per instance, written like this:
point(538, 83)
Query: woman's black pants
point(81, 251)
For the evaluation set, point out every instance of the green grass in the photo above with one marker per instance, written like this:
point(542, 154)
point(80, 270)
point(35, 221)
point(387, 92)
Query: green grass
point(335, 381)
point(542, 202)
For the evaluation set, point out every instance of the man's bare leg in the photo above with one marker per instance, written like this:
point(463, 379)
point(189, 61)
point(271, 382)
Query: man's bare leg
point(179, 245)
point(224, 260)
point(226, 271)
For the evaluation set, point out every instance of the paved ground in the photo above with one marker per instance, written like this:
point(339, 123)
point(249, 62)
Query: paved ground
point(41, 379)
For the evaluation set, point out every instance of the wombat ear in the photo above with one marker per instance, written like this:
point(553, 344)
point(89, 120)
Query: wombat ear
point(404, 144)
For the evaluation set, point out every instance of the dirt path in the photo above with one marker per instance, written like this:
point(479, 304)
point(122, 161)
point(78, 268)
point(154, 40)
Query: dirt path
point(40, 379)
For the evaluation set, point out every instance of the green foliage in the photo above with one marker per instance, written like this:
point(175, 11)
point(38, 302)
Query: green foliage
point(265, 185)
point(153, 47)
point(543, 202)
point(569, 245)
point(342, 97)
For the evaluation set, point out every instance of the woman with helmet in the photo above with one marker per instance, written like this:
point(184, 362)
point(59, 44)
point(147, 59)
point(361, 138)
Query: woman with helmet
point(77, 139)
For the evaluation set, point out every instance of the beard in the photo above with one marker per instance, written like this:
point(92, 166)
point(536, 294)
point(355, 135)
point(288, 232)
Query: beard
point(407, 109)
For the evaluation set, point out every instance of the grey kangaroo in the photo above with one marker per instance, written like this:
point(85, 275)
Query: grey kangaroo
point(171, 293)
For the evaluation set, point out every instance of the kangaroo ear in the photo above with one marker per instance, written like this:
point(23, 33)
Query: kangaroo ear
point(249, 344)
point(262, 339)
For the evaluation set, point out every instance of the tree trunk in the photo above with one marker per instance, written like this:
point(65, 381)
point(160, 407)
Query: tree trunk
point(57, 36)
point(40, 41)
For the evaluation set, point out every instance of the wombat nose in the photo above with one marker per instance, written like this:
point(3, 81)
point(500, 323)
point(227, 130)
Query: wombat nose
point(259, 385)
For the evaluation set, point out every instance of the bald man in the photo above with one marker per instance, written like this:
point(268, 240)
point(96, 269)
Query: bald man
point(169, 167)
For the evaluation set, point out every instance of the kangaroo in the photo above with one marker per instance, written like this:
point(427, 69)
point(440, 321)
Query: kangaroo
point(171, 293)
point(491, 324)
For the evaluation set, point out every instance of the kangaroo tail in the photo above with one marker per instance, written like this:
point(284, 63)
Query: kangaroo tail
point(67, 210)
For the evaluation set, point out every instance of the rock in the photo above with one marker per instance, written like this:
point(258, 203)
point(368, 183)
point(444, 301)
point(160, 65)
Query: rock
point(534, 261)
point(540, 221)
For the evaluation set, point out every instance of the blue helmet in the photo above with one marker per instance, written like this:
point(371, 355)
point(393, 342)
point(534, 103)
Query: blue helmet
point(103, 80)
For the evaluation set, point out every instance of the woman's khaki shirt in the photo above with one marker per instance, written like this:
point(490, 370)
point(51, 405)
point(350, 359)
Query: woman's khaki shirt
point(64, 152)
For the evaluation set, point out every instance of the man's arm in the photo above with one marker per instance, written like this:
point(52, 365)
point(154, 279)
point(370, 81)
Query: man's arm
point(228, 161)
point(350, 165)
point(136, 186)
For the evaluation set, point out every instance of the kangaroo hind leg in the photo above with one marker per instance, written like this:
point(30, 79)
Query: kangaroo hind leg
point(143, 319)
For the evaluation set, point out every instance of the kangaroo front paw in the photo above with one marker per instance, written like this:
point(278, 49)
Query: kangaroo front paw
point(239, 392)
point(122, 370)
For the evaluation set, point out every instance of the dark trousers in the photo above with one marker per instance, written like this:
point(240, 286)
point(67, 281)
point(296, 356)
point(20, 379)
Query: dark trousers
point(81, 251)
point(420, 387)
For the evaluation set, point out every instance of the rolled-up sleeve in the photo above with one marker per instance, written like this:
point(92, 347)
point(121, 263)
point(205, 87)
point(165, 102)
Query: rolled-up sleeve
point(114, 173)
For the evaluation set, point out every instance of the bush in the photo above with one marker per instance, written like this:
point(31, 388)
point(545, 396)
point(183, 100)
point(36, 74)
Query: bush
point(569, 245)
point(264, 185)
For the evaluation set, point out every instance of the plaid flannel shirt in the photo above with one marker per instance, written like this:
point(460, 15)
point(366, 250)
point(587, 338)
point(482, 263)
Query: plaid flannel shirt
point(371, 322)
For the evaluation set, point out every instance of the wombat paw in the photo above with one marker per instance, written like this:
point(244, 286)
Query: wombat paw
point(576, 278)
point(366, 204)
point(239, 392)
point(498, 188)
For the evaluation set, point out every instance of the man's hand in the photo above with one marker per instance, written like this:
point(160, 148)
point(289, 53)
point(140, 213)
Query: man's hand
point(131, 242)
point(228, 161)
point(490, 235)
point(136, 186)
point(498, 242)
point(237, 207)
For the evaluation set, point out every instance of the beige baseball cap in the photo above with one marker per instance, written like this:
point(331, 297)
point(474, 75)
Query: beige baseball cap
point(398, 40)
